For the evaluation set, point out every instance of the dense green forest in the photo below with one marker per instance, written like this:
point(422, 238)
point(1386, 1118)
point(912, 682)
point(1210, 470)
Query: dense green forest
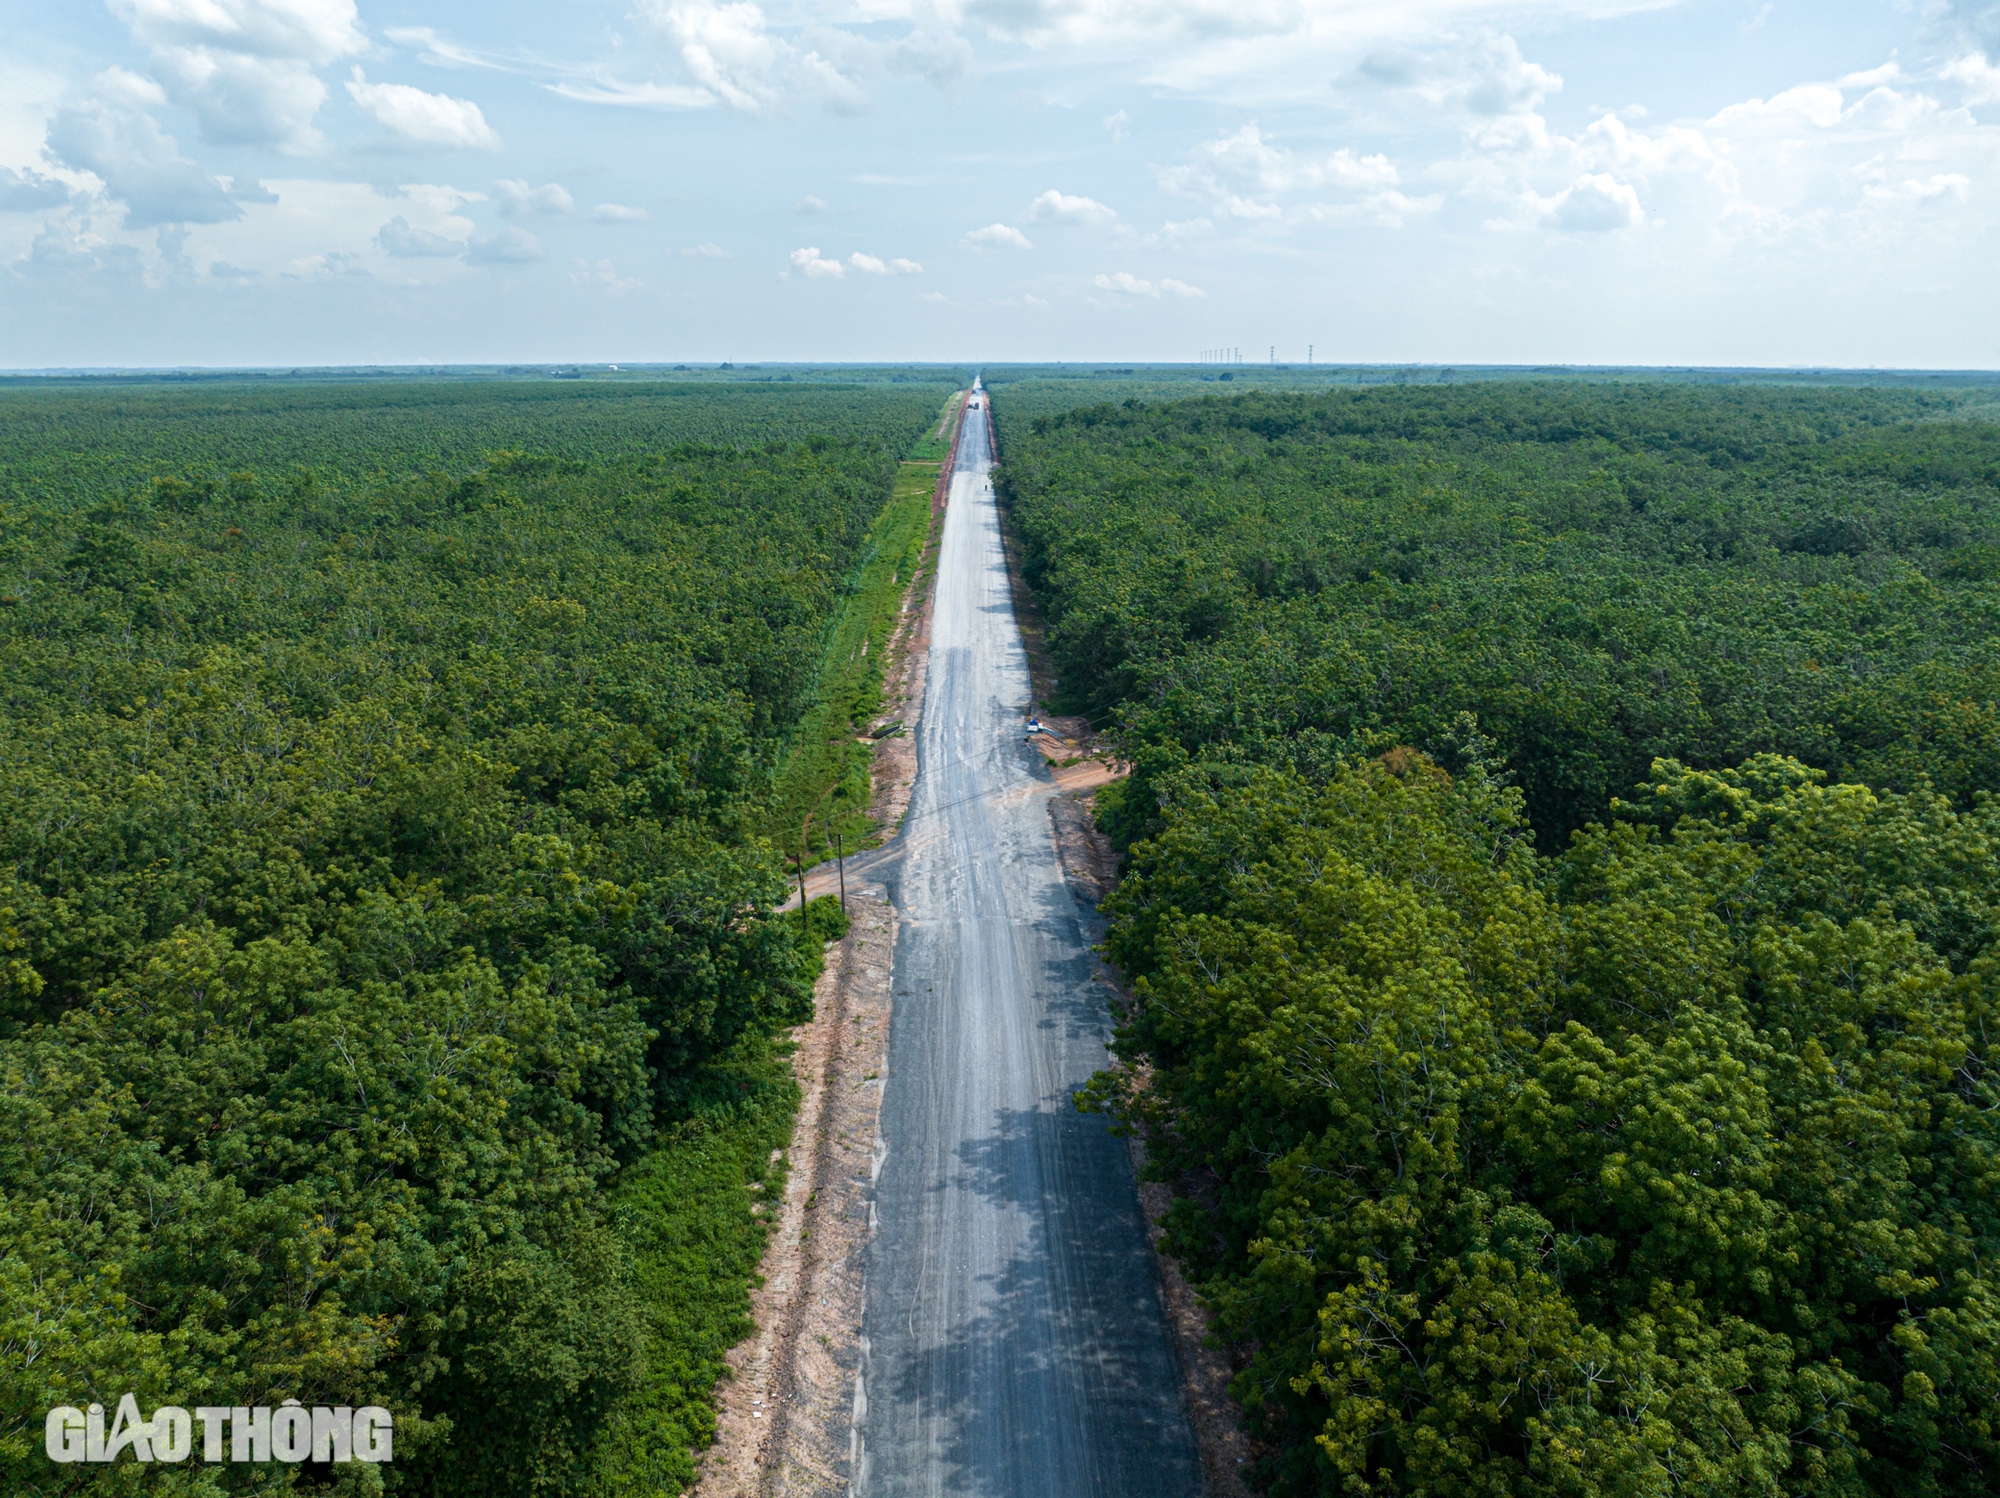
point(390, 995)
point(1031, 390)
point(1603, 576)
point(68, 441)
point(1561, 892)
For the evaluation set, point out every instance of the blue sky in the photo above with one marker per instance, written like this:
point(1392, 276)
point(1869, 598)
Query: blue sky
point(346, 181)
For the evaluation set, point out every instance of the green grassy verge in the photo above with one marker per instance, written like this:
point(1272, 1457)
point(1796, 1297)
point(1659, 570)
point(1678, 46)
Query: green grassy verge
point(690, 1214)
point(824, 787)
point(935, 444)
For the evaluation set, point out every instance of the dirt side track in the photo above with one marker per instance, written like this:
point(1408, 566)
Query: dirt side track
point(783, 1419)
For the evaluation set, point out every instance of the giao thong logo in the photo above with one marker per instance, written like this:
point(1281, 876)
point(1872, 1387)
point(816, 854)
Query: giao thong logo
point(238, 1433)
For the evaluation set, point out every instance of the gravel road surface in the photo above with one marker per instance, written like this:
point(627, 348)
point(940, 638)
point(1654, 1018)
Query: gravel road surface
point(1014, 1343)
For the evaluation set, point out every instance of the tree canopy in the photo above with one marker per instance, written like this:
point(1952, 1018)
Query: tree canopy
point(1560, 905)
point(1604, 575)
point(387, 962)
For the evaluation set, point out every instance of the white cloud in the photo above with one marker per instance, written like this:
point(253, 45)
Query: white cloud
point(875, 266)
point(1866, 174)
point(809, 205)
point(1807, 156)
point(1484, 78)
point(726, 49)
point(618, 213)
point(509, 245)
point(518, 200)
point(245, 67)
point(1888, 72)
point(1595, 203)
point(59, 247)
point(1610, 142)
point(709, 252)
point(1912, 193)
point(1061, 208)
point(308, 226)
point(1243, 176)
point(1254, 51)
point(1868, 158)
point(730, 53)
point(601, 273)
point(820, 79)
point(814, 267)
point(996, 236)
point(315, 31)
point(637, 95)
point(1816, 104)
point(1127, 284)
point(439, 52)
point(1979, 78)
point(116, 85)
point(1133, 23)
point(140, 165)
point(244, 100)
point(1974, 21)
point(398, 239)
point(422, 120)
point(297, 229)
point(28, 191)
point(941, 59)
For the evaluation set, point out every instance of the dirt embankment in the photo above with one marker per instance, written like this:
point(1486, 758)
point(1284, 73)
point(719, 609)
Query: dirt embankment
point(784, 1416)
point(1078, 758)
point(1091, 869)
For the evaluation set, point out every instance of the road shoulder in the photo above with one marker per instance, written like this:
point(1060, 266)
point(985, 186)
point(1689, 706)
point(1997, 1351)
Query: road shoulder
point(784, 1417)
point(1091, 870)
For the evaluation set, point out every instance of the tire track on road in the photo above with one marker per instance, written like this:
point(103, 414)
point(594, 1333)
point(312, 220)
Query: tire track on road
point(1014, 1341)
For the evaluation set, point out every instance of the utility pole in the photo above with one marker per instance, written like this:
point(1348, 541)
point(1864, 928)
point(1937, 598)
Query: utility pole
point(840, 862)
point(1309, 356)
point(1274, 353)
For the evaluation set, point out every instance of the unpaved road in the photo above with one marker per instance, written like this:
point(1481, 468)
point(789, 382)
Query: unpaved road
point(1014, 1343)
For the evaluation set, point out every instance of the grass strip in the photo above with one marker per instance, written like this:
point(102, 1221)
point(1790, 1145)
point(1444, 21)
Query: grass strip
point(685, 1211)
point(824, 786)
point(695, 1215)
point(935, 445)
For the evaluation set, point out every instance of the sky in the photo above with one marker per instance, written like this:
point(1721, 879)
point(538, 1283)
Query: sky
point(315, 182)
